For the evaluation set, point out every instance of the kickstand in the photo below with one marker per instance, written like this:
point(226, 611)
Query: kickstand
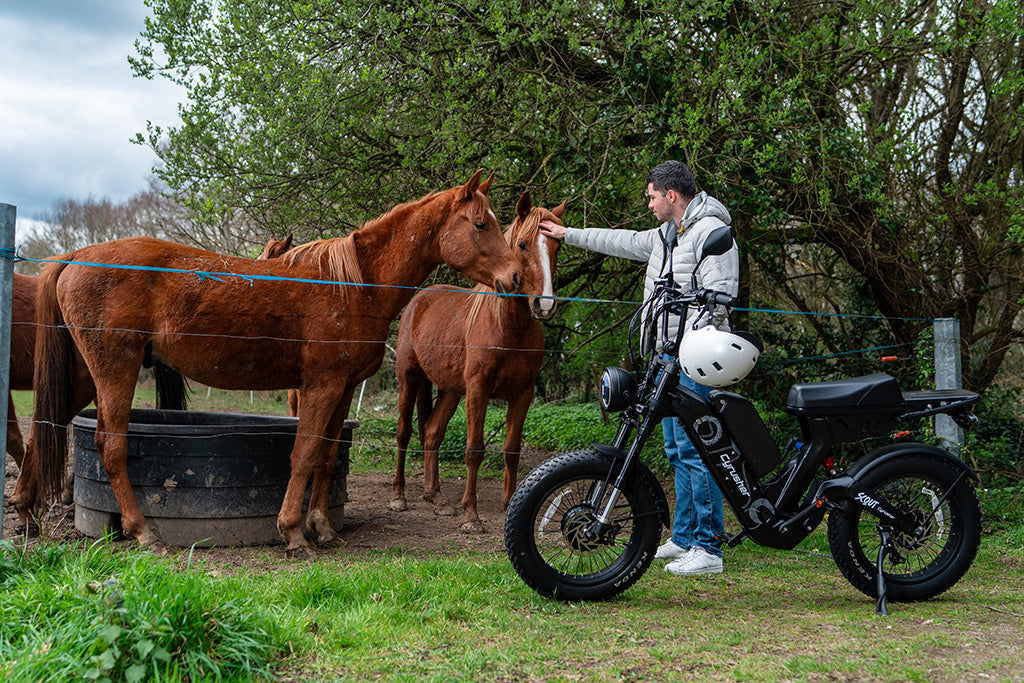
point(883, 549)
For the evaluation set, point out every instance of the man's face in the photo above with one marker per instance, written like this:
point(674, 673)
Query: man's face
point(662, 204)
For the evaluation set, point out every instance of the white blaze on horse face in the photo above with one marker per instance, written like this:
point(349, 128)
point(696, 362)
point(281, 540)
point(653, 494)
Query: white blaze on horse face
point(547, 302)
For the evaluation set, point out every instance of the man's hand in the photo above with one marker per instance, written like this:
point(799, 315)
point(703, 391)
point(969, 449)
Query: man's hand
point(552, 229)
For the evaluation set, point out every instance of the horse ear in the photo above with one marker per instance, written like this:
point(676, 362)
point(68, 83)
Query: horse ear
point(466, 191)
point(485, 186)
point(524, 205)
point(560, 209)
point(287, 243)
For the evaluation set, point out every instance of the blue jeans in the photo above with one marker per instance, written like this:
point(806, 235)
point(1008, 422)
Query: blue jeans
point(698, 519)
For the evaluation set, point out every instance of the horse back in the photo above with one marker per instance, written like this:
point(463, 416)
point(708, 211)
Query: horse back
point(453, 349)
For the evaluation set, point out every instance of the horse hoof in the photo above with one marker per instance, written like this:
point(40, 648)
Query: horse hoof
point(302, 552)
point(476, 527)
point(445, 511)
point(333, 541)
point(398, 505)
point(30, 530)
point(158, 548)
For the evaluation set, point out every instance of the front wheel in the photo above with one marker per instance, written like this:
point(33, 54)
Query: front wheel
point(925, 563)
point(552, 537)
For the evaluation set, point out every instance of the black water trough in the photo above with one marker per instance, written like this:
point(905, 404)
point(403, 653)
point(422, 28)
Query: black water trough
point(204, 479)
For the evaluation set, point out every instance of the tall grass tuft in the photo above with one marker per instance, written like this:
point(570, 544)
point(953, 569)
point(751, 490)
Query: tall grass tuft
point(93, 614)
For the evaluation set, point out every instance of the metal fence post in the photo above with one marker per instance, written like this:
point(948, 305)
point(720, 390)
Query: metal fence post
point(947, 376)
point(8, 215)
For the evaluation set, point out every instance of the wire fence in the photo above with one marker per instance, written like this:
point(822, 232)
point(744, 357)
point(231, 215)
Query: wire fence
point(221, 276)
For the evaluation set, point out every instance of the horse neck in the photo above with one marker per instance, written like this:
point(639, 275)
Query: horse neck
point(509, 314)
point(397, 251)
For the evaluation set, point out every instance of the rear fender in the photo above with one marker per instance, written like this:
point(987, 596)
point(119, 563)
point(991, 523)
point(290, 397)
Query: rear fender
point(886, 453)
point(848, 486)
point(645, 474)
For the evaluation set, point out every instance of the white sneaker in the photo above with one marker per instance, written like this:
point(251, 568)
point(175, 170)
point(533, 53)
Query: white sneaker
point(697, 561)
point(670, 551)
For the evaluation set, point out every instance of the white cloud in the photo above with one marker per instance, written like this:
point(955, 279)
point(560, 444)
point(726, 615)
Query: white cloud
point(71, 106)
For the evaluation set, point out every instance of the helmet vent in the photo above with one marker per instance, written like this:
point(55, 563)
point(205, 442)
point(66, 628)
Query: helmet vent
point(718, 366)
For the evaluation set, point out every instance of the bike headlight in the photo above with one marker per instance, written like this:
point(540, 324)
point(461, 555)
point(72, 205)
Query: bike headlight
point(617, 390)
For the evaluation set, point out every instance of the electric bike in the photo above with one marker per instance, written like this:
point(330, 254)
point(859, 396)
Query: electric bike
point(904, 522)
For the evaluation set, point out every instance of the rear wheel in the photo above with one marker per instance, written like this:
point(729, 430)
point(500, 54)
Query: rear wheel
point(549, 529)
point(927, 562)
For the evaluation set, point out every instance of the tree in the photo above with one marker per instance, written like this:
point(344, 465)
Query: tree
point(884, 137)
point(72, 224)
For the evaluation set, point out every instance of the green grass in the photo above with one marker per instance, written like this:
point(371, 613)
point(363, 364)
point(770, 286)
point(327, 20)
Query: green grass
point(90, 614)
point(403, 617)
point(111, 611)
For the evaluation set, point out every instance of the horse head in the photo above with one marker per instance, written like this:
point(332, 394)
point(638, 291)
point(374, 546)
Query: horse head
point(471, 241)
point(537, 254)
point(275, 248)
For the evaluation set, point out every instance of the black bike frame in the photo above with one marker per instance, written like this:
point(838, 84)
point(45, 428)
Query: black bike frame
point(777, 513)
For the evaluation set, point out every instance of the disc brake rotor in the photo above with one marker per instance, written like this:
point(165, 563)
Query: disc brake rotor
point(574, 526)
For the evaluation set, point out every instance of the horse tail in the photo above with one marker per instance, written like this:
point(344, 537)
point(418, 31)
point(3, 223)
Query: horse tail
point(53, 379)
point(171, 389)
point(424, 407)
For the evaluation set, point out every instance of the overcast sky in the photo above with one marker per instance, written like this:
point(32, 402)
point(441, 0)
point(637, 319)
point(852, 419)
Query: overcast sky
point(69, 105)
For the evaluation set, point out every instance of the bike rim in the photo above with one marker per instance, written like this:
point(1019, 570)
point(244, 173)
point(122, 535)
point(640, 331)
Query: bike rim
point(918, 556)
point(558, 532)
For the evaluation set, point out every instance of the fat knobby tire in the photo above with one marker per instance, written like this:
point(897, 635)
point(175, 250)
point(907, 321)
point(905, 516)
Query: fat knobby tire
point(931, 564)
point(545, 506)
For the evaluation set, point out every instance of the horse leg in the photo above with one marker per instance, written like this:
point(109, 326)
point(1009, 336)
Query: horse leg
point(293, 402)
point(433, 435)
point(409, 384)
point(15, 444)
point(476, 411)
point(318, 523)
point(318, 408)
point(515, 416)
point(26, 490)
point(113, 406)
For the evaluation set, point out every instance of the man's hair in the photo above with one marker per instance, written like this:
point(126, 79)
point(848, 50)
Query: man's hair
point(673, 175)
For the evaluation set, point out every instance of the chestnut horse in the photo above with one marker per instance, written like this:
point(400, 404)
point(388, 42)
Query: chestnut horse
point(23, 341)
point(237, 323)
point(170, 386)
point(479, 346)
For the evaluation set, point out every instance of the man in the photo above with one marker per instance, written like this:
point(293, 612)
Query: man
point(697, 530)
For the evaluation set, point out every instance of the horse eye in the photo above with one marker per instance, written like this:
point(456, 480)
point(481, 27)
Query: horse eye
point(481, 226)
point(522, 246)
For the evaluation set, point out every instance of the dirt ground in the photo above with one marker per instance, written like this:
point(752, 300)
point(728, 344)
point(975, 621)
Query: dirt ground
point(369, 525)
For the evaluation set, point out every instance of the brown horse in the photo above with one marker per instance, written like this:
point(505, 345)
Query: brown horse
point(237, 323)
point(170, 388)
point(479, 346)
point(23, 342)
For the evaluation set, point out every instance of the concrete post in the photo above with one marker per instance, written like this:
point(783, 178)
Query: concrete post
point(8, 214)
point(948, 376)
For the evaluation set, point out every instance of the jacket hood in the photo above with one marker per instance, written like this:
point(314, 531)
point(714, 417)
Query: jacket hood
point(703, 206)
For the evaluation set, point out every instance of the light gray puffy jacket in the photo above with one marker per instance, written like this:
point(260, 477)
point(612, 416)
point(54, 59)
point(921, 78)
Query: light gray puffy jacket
point(703, 215)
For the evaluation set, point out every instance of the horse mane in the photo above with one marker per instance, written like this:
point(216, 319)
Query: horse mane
point(342, 262)
point(337, 258)
point(520, 230)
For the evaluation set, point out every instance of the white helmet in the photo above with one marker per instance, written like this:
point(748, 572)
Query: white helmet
point(717, 359)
